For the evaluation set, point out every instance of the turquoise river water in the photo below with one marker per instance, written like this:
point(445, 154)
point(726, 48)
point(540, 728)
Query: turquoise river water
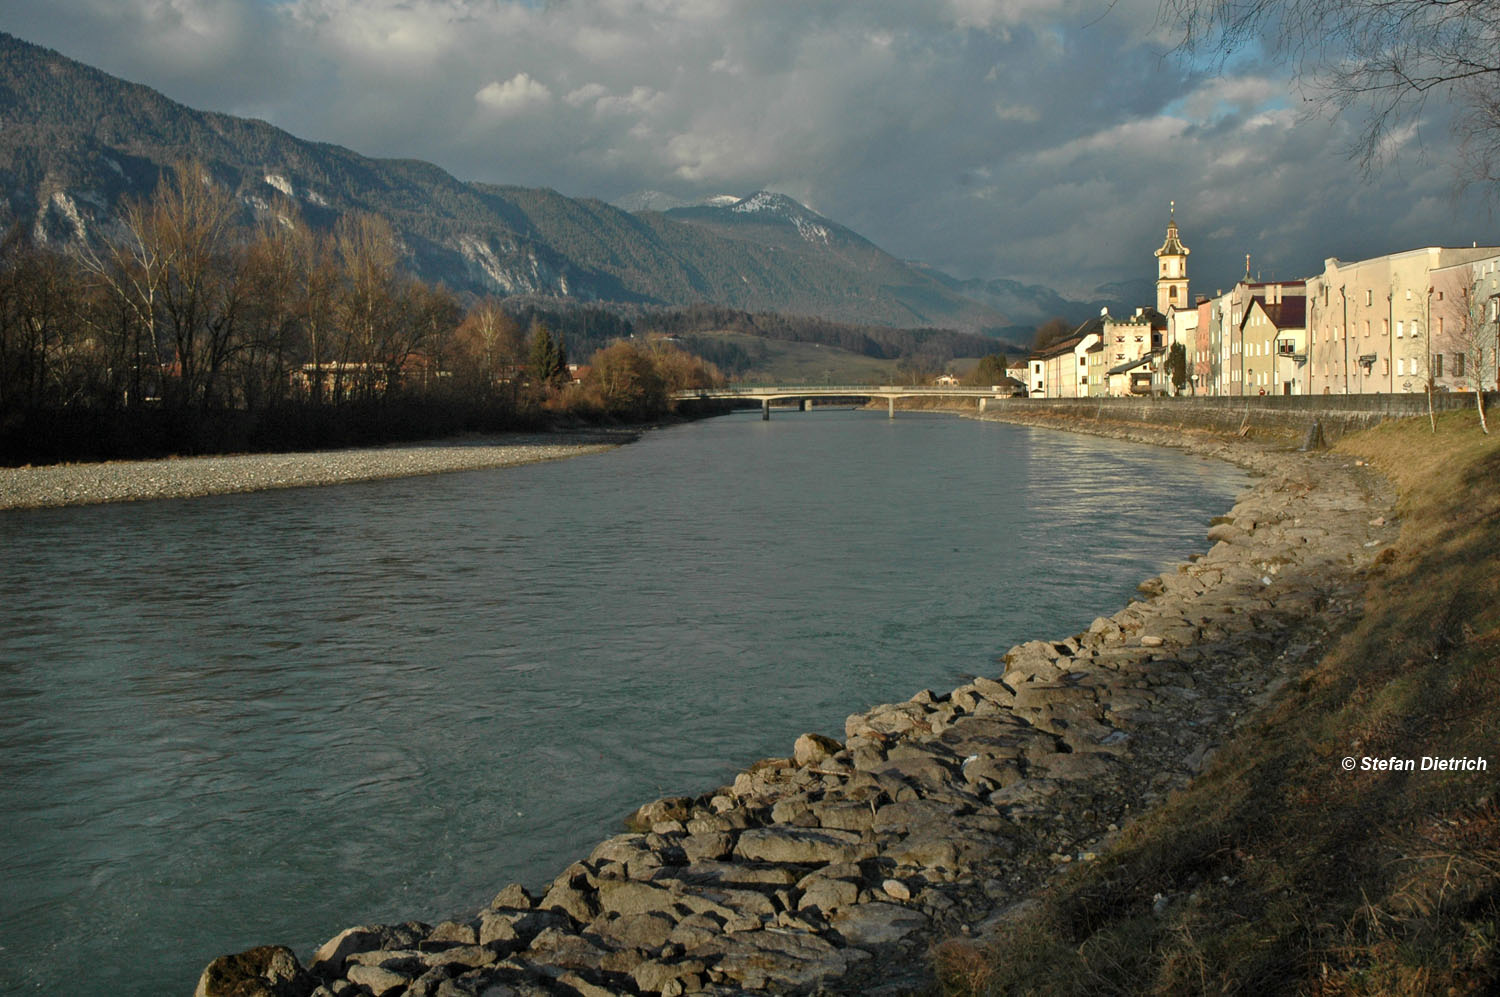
point(261, 718)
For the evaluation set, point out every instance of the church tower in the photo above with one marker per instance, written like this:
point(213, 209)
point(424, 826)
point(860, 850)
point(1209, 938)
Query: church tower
point(1171, 269)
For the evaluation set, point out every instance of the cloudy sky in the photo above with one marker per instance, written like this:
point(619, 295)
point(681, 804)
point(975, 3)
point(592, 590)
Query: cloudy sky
point(1039, 140)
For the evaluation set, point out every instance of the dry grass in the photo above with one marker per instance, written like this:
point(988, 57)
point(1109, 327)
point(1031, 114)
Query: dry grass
point(1283, 873)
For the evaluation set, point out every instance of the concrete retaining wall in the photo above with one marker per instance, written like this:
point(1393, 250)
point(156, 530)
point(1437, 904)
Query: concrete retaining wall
point(1287, 417)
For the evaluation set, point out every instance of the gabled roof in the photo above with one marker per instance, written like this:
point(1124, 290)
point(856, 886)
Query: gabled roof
point(1057, 349)
point(1288, 313)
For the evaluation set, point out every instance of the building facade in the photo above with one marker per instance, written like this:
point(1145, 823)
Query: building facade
point(1465, 326)
point(1062, 369)
point(1369, 321)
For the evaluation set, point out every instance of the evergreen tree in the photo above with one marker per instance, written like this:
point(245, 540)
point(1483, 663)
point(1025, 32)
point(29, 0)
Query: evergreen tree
point(545, 356)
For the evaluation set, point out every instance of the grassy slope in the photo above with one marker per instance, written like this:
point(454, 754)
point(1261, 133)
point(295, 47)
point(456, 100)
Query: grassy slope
point(1278, 872)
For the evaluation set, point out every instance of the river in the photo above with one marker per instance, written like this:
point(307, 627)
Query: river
point(248, 719)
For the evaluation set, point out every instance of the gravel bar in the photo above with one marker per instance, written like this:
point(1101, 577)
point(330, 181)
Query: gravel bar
point(187, 477)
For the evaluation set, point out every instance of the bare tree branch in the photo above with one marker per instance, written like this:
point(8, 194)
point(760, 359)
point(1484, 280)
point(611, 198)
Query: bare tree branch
point(1379, 60)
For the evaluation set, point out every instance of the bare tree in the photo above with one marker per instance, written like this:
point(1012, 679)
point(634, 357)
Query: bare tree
point(1476, 338)
point(178, 272)
point(1380, 58)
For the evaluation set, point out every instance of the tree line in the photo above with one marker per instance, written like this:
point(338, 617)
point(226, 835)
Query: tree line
point(192, 327)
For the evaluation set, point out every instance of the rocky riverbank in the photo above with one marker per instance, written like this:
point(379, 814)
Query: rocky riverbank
point(837, 867)
point(190, 477)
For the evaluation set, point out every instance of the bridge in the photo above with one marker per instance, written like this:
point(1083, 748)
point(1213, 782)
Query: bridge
point(806, 394)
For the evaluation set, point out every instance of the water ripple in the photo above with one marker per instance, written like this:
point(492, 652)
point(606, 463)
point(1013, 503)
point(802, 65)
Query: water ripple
point(255, 718)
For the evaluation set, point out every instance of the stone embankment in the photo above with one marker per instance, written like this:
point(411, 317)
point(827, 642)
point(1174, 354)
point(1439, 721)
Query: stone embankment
point(837, 867)
point(190, 477)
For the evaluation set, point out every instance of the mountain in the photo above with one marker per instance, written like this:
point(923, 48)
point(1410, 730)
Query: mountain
point(1029, 305)
point(75, 143)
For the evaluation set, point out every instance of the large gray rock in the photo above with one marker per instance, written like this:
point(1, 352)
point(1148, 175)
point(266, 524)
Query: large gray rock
point(812, 749)
point(267, 971)
point(760, 959)
point(656, 977)
point(802, 846)
point(843, 815)
point(328, 962)
point(708, 846)
point(876, 924)
point(633, 931)
point(571, 894)
point(736, 874)
point(827, 895)
point(377, 979)
point(565, 949)
point(632, 897)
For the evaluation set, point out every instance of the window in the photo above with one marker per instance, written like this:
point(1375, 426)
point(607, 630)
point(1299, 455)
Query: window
point(1458, 365)
point(1408, 294)
point(1440, 295)
point(1437, 365)
point(1369, 297)
point(1399, 328)
point(1440, 325)
point(1401, 367)
point(1385, 367)
point(1416, 328)
point(1367, 327)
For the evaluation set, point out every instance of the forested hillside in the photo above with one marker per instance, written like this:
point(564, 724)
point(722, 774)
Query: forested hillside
point(76, 144)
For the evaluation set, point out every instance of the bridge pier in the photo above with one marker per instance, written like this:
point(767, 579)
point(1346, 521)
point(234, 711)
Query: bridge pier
point(807, 404)
point(890, 408)
point(982, 402)
point(765, 410)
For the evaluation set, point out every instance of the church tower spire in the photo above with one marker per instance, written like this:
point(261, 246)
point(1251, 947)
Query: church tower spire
point(1171, 269)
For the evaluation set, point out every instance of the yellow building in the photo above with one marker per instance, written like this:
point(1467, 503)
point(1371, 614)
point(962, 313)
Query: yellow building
point(1368, 322)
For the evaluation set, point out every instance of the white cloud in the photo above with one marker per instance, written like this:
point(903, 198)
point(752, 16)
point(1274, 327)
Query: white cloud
point(517, 94)
point(1035, 139)
point(586, 94)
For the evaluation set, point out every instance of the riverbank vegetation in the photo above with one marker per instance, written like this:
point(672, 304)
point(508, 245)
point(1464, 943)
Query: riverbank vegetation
point(1277, 871)
point(191, 330)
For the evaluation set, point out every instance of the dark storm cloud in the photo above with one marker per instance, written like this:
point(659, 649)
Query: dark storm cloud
point(1035, 139)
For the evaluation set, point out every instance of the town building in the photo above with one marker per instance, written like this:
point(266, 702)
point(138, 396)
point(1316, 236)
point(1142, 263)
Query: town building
point(1131, 348)
point(1465, 325)
point(1061, 369)
point(1368, 321)
point(1273, 332)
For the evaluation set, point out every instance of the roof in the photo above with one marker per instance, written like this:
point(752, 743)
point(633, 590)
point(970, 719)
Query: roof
point(1288, 313)
point(1057, 349)
point(1129, 365)
point(1173, 246)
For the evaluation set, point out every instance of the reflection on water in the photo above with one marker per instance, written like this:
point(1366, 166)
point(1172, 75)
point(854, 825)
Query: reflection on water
point(263, 718)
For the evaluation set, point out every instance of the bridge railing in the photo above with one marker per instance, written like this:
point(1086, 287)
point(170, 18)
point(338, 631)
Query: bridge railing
point(754, 391)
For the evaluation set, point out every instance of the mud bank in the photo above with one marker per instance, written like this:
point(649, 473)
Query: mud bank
point(835, 868)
